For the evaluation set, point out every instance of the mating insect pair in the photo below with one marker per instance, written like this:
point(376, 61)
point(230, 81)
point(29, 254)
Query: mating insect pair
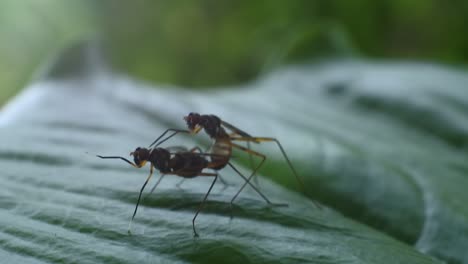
point(191, 163)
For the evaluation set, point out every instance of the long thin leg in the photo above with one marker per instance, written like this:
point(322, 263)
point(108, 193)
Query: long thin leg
point(180, 183)
point(255, 188)
point(247, 181)
point(200, 207)
point(224, 182)
point(252, 165)
point(156, 185)
point(165, 132)
point(267, 139)
point(139, 197)
point(263, 157)
point(239, 133)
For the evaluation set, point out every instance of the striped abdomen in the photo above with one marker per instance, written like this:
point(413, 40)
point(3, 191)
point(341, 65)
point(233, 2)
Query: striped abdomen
point(222, 153)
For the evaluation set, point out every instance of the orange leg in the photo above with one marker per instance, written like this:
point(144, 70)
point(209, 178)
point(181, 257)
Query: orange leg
point(252, 165)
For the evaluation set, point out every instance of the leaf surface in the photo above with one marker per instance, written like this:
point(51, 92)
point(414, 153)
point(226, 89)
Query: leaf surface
point(351, 129)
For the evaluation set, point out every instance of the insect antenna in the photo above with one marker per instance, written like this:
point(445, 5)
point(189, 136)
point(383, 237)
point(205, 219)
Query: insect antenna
point(118, 157)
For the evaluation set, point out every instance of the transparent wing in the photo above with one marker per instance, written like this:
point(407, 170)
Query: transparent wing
point(235, 129)
point(175, 149)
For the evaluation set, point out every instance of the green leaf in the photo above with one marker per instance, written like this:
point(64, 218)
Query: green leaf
point(62, 204)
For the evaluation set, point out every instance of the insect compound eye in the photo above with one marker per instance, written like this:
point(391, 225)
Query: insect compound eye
point(192, 120)
point(189, 120)
point(136, 155)
point(136, 158)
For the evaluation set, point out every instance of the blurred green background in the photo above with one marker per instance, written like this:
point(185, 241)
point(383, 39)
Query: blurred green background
point(212, 43)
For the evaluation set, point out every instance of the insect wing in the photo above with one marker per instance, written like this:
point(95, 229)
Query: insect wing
point(235, 129)
point(176, 149)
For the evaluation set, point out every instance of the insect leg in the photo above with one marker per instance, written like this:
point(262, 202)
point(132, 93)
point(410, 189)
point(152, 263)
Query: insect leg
point(156, 185)
point(139, 197)
point(265, 139)
point(268, 139)
point(263, 157)
point(200, 207)
point(165, 132)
